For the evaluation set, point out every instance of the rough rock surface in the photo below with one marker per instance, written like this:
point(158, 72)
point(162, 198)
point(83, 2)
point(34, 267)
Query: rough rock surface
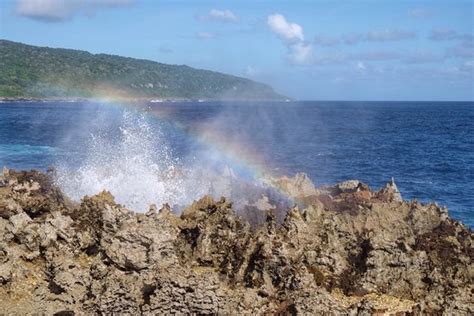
point(346, 250)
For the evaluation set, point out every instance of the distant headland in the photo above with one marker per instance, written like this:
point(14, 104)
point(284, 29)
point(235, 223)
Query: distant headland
point(38, 73)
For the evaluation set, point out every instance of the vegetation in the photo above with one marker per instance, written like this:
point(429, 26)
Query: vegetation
point(31, 71)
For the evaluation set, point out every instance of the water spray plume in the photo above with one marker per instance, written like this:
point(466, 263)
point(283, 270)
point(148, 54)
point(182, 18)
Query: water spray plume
point(138, 166)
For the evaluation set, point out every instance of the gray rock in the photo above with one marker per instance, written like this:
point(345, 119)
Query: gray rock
point(298, 186)
point(391, 192)
point(348, 186)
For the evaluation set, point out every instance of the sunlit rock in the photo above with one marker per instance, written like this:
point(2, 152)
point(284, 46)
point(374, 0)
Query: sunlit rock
point(349, 251)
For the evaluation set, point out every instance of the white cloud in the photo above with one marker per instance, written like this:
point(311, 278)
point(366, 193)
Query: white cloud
point(205, 35)
point(220, 15)
point(287, 31)
point(62, 10)
point(299, 52)
point(47, 10)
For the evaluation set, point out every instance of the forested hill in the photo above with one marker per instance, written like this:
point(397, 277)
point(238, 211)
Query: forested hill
point(32, 71)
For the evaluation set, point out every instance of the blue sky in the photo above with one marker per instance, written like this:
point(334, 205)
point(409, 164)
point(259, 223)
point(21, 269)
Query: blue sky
point(323, 50)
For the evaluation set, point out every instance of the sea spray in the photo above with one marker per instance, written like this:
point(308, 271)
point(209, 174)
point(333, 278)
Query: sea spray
point(137, 165)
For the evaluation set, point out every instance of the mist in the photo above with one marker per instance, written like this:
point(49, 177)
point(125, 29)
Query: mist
point(143, 156)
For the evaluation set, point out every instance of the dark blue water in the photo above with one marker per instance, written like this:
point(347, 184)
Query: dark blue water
point(427, 147)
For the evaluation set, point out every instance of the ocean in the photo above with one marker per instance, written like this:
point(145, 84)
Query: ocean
point(427, 147)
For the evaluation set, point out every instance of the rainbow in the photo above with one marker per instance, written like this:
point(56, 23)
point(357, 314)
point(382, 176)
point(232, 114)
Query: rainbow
point(242, 159)
point(248, 164)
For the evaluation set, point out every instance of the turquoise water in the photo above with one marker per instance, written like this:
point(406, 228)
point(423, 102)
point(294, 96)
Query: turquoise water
point(427, 147)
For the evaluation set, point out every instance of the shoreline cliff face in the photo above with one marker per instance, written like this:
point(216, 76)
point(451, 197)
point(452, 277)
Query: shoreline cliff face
point(346, 250)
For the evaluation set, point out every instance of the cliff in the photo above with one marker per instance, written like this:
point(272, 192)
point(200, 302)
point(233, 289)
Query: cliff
point(346, 250)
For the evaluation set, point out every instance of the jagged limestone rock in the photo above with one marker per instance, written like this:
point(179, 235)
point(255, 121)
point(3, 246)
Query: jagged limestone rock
point(346, 250)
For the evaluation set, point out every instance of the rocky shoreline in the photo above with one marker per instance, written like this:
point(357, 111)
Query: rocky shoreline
point(344, 250)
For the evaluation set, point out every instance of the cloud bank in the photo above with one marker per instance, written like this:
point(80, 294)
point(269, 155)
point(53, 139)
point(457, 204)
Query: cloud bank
point(388, 35)
point(446, 34)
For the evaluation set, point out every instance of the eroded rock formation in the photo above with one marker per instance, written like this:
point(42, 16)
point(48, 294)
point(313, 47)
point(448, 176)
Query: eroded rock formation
point(346, 250)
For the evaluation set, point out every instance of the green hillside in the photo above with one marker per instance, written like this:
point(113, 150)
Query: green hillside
point(31, 71)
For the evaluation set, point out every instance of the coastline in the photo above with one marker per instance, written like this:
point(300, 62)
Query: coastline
point(346, 250)
point(130, 100)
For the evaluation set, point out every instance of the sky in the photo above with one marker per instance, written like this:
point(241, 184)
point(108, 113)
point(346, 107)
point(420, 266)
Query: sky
point(307, 50)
